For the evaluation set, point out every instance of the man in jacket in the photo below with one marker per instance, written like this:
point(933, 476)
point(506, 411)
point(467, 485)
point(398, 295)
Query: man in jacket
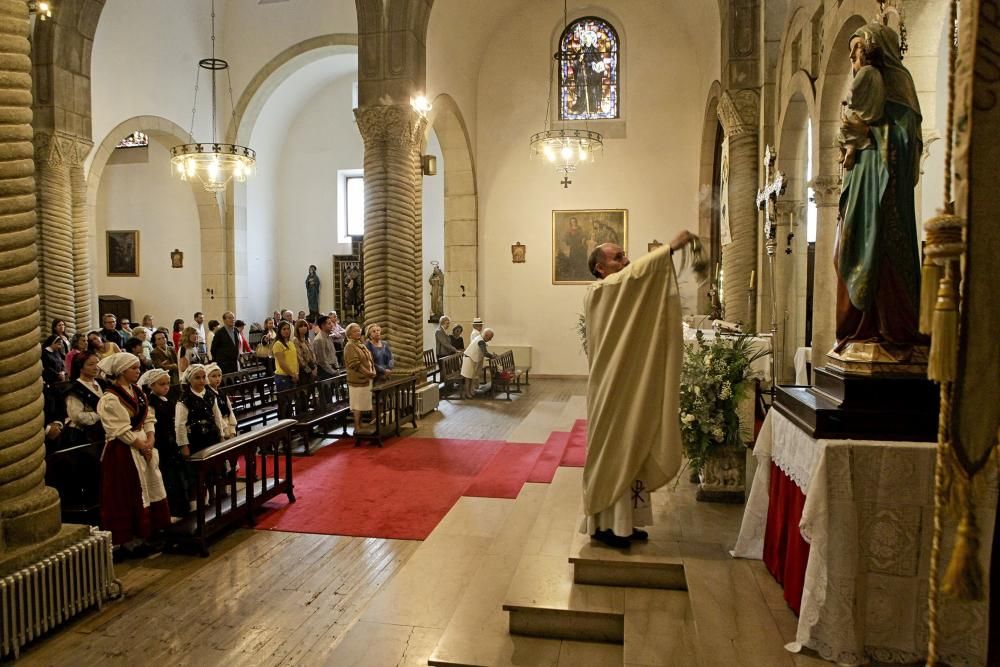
point(226, 344)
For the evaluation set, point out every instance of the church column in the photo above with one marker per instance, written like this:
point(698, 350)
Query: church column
point(738, 114)
point(55, 227)
point(826, 191)
point(82, 279)
point(29, 511)
point(393, 277)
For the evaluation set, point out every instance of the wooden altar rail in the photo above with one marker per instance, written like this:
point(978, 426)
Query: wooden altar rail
point(261, 454)
point(393, 401)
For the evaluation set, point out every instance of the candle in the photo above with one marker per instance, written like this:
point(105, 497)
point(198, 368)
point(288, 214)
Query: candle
point(753, 275)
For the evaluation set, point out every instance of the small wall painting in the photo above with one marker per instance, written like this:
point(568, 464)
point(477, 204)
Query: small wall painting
point(123, 252)
point(176, 259)
point(517, 252)
point(575, 234)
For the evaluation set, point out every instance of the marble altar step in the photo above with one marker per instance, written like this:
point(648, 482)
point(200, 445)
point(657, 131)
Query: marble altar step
point(653, 564)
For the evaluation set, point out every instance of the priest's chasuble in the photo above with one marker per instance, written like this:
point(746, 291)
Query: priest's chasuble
point(635, 348)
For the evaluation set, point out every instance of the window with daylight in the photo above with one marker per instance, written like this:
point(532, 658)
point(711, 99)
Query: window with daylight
point(588, 70)
point(135, 140)
point(355, 205)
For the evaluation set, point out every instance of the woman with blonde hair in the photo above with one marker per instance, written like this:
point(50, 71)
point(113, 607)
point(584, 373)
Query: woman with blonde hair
point(360, 371)
point(189, 352)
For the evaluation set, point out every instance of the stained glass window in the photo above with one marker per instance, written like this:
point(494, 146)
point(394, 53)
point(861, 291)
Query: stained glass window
point(135, 140)
point(588, 70)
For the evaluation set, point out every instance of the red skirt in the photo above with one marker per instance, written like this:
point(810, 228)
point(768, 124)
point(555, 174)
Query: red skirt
point(121, 498)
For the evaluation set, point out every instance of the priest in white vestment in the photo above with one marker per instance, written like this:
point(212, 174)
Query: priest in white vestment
point(635, 349)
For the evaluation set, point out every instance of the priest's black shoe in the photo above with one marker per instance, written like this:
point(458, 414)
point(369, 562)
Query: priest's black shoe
point(610, 539)
point(638, 535)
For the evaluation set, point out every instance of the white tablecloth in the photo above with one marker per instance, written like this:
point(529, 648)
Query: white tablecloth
point(803, 356)
point(868, 517)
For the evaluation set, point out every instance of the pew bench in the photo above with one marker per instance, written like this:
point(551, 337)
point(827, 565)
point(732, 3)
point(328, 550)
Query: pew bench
point(504, 374)
point(431, 369)
point(393, 401)
point(252, 396)
point(265, 456)
point(314, 405)
point(450, 373)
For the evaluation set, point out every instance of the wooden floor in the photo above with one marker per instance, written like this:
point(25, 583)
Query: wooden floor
point(265, 598)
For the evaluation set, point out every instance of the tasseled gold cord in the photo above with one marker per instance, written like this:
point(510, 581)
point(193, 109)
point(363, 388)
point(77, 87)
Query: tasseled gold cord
point(963, 579)
point(930, 276)
point(944, 335)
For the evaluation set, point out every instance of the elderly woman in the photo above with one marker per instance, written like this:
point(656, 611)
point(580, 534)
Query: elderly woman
point(472, 364)
point(442, 341)
point(360, 371)
point(381, 352)
point(133, 498)
point(143, 334)
point(156, 384)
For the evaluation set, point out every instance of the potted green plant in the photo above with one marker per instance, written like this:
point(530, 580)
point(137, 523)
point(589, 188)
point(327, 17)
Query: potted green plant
point(716, 377)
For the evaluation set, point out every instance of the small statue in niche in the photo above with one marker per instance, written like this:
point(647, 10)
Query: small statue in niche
point(353, 290)
point(517, 253)
point(437, 293)
point(312, 290)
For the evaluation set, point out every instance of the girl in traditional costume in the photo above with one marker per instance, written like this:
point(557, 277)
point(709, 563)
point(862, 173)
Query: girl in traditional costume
point(214, 374)
point(156, 384)
point(82, 397)
point(133, 498)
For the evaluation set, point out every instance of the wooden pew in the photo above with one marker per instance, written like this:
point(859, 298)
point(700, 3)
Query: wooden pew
point(450, 372)
point(503, 374)
point(253, 397)
point(315, 404)
point(431, 368)
point(393, 402)
point(267, 475)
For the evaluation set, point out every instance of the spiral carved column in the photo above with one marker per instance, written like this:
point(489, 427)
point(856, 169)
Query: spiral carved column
point(738, 115)
point(81, 247)
point(29, 511)
point(53, 154)
point(392, 245)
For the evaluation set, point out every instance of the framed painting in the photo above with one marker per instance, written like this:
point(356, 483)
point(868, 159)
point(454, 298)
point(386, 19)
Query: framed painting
point(575, 234)
point(123, 252)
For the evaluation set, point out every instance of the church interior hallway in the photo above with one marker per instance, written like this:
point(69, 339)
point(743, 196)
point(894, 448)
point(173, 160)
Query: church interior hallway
point(282, 598)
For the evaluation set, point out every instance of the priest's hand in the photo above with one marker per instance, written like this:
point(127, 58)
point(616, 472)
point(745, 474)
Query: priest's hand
point(682, 240)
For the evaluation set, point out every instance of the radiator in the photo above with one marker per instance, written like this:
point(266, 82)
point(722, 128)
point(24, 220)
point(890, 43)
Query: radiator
point(37, 598)
point(428, 398)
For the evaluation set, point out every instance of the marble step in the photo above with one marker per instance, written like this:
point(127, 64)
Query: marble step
point(659, 629)
point(732, 621)
point(653, 564)
point(543, 601)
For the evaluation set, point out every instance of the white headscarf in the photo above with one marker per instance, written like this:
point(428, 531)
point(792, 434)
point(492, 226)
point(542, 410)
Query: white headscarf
point(151, 376)
point(210, 368)
point(113, 365)
point(191, 371)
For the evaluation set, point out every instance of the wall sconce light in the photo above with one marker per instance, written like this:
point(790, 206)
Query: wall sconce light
point(429, 165)
point(462, 287)
point(210, 292)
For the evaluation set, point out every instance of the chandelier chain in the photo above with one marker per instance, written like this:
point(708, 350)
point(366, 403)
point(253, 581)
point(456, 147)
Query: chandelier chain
point(214, 104)
point(194, 107)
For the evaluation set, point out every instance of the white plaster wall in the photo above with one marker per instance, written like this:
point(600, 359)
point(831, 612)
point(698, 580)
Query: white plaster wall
point(146, 197)
point(322, 138)
point(143, 63)
point(653, 172)
point(433, 231)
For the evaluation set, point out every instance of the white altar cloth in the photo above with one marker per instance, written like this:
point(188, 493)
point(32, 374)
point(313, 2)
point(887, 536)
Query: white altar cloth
point(868, 518)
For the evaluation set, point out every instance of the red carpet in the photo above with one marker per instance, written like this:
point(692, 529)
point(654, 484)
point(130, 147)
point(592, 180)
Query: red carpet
point(552, 453)
point(575, 455)
point(504, 476)
point(400, 491)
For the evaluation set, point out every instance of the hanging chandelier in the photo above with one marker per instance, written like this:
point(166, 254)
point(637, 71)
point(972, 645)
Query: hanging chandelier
point(213, 163)
point(565, 148)
point(40, 8)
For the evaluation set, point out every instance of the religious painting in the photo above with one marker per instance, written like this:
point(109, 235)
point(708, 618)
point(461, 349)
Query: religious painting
point(588, 70)
point(517, 253)
point(575, 234)
point(177, 259)
point(123, 252)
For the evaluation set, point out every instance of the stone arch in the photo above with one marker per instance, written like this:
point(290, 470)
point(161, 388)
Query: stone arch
point(209, 215)
point(791, 260)
point(461, 211)
point(248, 108)
point(711, 140)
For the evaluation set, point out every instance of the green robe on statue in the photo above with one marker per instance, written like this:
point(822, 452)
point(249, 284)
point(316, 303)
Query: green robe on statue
point(877, 255)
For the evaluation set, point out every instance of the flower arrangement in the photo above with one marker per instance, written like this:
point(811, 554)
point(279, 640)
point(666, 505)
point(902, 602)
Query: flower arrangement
point(715, 376)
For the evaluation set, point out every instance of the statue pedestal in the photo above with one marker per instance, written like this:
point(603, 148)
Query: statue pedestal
point(872, 405)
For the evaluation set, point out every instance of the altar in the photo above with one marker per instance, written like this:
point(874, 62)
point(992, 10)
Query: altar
point(846, 527)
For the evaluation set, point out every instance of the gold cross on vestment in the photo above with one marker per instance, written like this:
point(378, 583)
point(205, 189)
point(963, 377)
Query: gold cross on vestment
point(768, 196)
